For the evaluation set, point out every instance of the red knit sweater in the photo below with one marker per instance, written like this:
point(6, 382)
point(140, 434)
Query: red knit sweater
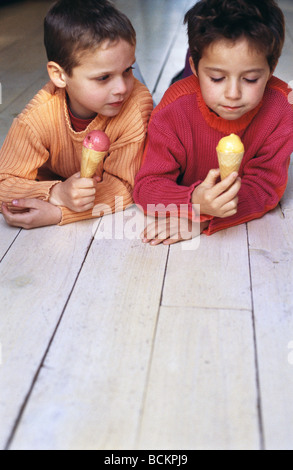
point(181, 149)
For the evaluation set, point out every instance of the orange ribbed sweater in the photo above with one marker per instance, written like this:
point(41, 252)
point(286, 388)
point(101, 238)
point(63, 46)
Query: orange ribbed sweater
point(41, 141)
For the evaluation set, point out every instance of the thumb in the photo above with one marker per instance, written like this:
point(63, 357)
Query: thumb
point(97, 178)
point(212, 177)
point(25, 203)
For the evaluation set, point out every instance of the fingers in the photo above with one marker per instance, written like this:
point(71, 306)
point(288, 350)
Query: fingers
point(83, 195)
point(84, 205)
point(18, 219)
point(154, 234)
point(87, 183)
point(224, 185)
point(168, 231)
point(212, 177)
point(26, 204)
point(230, 195)
point(97, 178)
point(230, 208)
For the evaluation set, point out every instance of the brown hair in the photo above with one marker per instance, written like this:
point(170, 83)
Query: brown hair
point(261, 22)
point(72, 27)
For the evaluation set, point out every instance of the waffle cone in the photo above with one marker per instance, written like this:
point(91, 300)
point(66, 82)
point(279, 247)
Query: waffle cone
point(92, 163)
point(229, 162)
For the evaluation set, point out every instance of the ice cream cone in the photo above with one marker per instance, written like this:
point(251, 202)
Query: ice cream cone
point(229, 162)
point(92, 163)
point(230, 152)
point(95, 149)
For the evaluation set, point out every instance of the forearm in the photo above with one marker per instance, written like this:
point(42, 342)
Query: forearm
point(158, 194)
point(254, 202)
point(21, 188)
point(112, 195)
point(21, 156)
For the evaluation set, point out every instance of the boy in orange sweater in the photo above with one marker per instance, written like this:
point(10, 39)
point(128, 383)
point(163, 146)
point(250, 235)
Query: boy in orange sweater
point(91, 52)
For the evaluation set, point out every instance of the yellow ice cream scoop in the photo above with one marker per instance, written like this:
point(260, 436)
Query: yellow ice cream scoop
point(231, 143)
point(230, 152)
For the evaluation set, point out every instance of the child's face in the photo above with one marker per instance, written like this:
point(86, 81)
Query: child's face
point(103, 81)
point(232, 78)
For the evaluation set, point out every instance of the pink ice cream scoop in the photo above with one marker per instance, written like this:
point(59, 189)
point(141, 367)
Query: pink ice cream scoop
point(95, 148)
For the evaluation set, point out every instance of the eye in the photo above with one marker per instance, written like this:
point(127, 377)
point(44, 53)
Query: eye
point(248, 80)
point(217, 80)
point(103, 79)
point(129, 69)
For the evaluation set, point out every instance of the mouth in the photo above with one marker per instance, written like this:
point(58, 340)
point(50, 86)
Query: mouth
point(232, 108)
point(117, 104)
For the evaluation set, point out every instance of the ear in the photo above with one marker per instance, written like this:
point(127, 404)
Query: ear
point(193, 69)
point(272, 72)
point(56, 74)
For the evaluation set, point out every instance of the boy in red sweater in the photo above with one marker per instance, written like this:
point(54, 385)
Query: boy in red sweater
point(235, 46)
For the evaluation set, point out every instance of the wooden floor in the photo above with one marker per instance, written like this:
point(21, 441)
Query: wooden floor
point(110, 344)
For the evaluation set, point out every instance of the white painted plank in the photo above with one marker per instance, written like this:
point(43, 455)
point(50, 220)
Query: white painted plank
point(7, 236)
point(19, 103)
point(23, 60)
point(26, 69)
point(90, 391)
point(156, 24)
point(37, 276)
point(202, 393)
point(18, 18)
point(287, 200)
point(271, 252)
point(284, 69)
point(175, 63)
point(216, 275)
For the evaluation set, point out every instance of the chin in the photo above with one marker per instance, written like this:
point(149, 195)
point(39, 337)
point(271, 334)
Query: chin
point(230, 118)
point(110, 113)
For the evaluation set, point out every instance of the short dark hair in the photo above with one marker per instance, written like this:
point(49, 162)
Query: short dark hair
point(261, 22)
point(72, 27)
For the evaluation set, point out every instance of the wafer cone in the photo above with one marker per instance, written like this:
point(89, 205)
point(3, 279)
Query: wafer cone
point(92, 163)
point(229, 162)
point(94, 150)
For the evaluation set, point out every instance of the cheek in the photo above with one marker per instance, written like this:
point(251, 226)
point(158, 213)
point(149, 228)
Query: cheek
point(255, 94)
point(94, 93)
point(129, 83)
point(210, 92)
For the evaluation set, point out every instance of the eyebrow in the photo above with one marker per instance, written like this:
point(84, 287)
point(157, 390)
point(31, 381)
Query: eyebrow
point(218, 69)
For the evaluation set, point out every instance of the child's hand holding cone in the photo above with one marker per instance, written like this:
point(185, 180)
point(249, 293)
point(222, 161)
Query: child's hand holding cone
point(221, 199)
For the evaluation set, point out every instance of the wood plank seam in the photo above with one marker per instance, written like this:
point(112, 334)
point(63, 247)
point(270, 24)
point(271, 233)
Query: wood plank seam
point(10, 246)
point(146, 387)
point(257, 377)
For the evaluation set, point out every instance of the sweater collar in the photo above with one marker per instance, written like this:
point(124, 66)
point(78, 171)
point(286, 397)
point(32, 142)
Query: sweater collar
point(98, 122)
point(218, 123)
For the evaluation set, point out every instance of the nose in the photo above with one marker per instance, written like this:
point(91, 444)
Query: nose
point(120, 86)
point(233, 90)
